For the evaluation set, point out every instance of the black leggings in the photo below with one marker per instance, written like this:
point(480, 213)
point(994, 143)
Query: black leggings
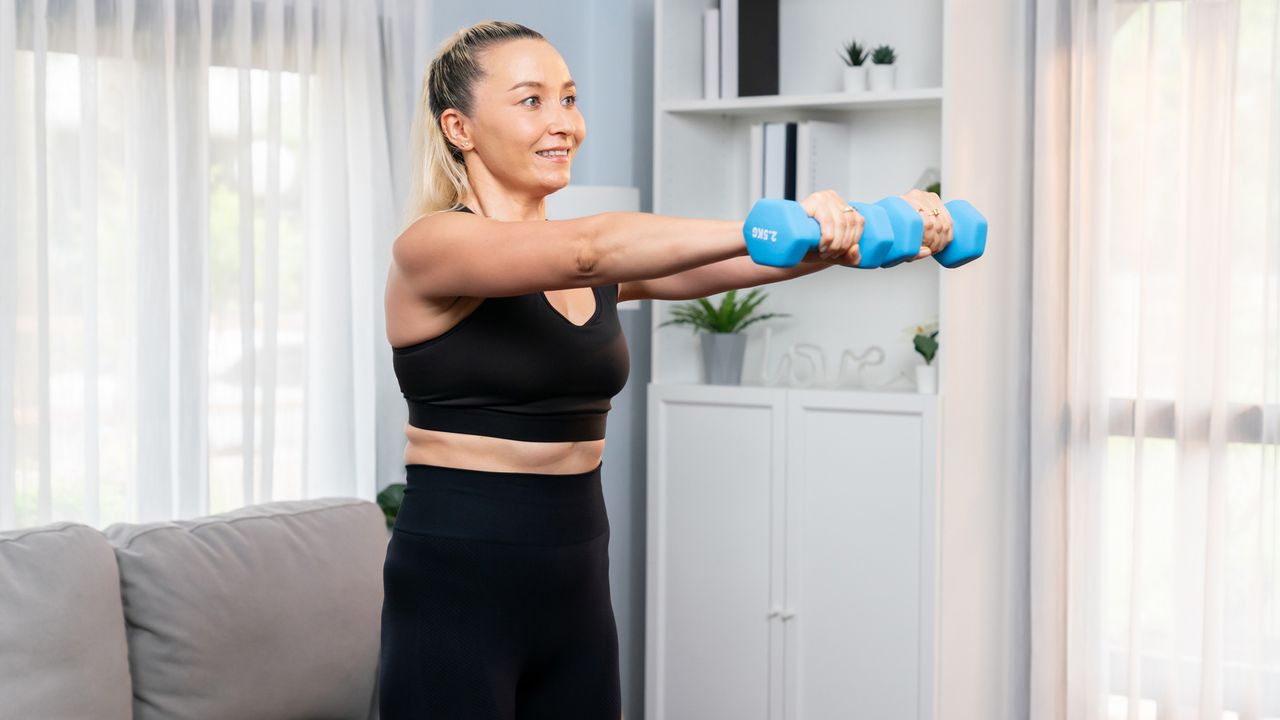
point(496, 599)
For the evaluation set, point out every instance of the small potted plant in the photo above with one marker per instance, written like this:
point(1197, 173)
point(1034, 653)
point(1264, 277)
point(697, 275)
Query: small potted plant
point(855, 72)
point(925, 340)
point(881, 75)
point(723, 342)
point(389, 500)
point(929, 181)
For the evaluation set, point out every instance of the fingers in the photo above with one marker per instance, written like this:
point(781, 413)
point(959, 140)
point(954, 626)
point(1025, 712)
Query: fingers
point(856, 223)
point(840, 229)
point(931, 225)
point(938, 226)
point(947, 228)
point(924, 252)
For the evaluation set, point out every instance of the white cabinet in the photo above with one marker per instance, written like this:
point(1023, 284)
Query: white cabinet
point(791, 554)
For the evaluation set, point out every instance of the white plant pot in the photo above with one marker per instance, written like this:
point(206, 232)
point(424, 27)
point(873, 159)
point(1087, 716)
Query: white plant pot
point(927, 379)
point(881, 77)
point(855, 78)
point(722, 357)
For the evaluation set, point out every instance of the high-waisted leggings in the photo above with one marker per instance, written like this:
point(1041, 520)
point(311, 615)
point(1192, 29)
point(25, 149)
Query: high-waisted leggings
point(496, 599)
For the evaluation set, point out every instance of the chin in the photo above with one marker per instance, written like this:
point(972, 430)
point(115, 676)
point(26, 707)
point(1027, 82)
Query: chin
point(555, 185)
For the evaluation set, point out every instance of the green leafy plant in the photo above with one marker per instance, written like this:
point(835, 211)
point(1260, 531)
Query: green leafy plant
point(925, 339)
point(389, 500)
point(883, 55)
point(730, 316)
point(854, 54)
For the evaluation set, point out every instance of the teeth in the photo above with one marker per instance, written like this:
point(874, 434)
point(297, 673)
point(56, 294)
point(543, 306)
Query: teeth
point(549, 153)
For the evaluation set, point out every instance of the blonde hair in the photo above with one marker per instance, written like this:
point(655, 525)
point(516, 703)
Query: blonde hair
point(439, 173)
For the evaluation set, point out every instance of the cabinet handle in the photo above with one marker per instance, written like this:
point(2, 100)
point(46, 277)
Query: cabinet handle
point(788, 615)
point(775, 612)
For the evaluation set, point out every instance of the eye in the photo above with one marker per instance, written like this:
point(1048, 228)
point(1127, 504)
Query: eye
point(531, 97)
point(574, 98)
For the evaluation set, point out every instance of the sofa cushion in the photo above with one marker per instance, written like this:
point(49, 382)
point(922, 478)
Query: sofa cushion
point(269, 611)
point(62, 635)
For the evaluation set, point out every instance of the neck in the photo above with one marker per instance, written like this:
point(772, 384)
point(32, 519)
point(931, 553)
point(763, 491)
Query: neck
point(492, 200)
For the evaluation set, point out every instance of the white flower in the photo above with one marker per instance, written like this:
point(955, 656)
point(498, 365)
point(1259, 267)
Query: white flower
point(926, 328)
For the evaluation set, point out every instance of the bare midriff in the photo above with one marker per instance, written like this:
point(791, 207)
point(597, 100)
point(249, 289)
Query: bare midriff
point(481, 452)
point(430, 318)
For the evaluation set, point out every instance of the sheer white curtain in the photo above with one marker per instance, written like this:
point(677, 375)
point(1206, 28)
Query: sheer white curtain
point(1155, 367)
point(197, 203)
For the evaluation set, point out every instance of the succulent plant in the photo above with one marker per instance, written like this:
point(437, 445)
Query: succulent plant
point(884, 55)
point(854, 54)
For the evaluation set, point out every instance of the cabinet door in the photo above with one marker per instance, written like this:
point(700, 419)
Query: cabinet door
point(860, 490)
point(714, 497)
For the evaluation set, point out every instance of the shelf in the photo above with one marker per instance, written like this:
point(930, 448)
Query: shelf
point(706, 391)
point(910, 98)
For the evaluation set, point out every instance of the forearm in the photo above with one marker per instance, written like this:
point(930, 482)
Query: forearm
point(733, 274)
point(635, 245)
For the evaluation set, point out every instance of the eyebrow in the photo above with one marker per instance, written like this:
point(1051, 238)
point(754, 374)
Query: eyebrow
point(535, 83)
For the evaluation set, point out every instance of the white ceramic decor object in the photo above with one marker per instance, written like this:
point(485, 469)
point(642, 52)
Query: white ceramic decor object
point(927, 379)
point(882, 77)
point(855, 78)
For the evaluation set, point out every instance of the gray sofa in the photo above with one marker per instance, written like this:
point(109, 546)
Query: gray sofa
point(271, 611)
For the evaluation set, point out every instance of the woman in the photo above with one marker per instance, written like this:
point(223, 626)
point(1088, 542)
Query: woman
point(507, 347)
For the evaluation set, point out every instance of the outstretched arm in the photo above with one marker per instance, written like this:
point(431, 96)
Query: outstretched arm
point(710, 256)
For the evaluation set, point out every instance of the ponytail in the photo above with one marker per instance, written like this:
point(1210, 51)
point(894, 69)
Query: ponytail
point(439, 173)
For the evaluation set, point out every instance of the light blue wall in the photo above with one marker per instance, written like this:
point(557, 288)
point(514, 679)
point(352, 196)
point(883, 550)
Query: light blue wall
point(608, 47)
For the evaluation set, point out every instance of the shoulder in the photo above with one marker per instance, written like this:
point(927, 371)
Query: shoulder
point(429, 225)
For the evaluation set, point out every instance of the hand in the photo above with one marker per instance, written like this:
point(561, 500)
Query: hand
point(840, 230)
point(938, 229)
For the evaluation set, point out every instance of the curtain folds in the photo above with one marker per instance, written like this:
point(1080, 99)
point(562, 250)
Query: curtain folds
point(1155, 359)
point(197, 229)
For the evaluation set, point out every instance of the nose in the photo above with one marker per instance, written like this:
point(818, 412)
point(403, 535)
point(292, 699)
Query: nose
point(561, 121)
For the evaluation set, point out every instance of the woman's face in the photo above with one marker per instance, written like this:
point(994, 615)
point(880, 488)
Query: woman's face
point(526, 103)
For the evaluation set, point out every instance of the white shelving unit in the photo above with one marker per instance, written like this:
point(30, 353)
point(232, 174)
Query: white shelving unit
point(792, 532)
point(701, 169)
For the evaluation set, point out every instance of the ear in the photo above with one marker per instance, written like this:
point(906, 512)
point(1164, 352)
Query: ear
point(456, 129)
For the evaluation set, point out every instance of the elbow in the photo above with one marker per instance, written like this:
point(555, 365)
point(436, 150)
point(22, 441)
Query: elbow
point(588, 253)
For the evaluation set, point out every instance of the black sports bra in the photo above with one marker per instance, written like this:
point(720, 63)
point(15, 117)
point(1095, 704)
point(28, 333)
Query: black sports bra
point(516, 368)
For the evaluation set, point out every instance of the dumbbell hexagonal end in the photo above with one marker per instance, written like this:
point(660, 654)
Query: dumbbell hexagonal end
point(778, 232)
point(968, 235)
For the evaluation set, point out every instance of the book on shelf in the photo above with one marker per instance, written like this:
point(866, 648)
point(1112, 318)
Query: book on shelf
point(747, 48)
point(773, 160)
point(711, 53)
point(791, 160)
point(822, 157)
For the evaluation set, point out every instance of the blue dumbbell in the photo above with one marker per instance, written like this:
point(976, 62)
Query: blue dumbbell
point(968, 236)
point(779, 232)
